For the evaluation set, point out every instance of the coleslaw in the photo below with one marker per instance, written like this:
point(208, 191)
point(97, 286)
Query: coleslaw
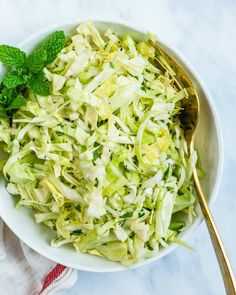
point(103, 160)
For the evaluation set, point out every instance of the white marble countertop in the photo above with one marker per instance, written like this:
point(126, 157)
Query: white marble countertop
point(204, 31)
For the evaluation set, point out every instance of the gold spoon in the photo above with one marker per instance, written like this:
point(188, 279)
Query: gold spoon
point(189, 120)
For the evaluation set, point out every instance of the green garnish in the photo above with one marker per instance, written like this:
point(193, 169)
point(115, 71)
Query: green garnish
point(127, 214)
point(26, 73)
point(78, 208)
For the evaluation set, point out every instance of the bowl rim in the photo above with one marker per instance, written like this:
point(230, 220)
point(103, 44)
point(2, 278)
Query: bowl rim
point(219, 136)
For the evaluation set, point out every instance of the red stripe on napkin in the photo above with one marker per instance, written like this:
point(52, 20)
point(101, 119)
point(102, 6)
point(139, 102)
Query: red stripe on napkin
point(52, 276)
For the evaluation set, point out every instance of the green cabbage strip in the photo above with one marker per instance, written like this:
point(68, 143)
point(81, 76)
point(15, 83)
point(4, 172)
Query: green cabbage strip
point(103, 160)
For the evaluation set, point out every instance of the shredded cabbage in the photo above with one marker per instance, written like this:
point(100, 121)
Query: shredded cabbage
point(103, 160)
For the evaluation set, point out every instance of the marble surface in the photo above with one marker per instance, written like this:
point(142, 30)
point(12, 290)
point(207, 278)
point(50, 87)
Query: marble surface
point(204, 31)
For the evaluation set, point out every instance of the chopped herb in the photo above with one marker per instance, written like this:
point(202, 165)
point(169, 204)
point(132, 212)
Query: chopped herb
point(77, 232)
point(96, 144)
point(95, 155)
point(8, 177)
point(131, 235)
point(78, 208)
point(144, 89)
point(127, 215)
point(141, 213)
point(61, 125)
point(166, 173)
point(135, 160)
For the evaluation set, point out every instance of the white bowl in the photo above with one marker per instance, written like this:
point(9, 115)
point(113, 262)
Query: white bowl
point(208, 144)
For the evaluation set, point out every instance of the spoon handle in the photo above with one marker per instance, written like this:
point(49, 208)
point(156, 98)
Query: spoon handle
point(226, 270)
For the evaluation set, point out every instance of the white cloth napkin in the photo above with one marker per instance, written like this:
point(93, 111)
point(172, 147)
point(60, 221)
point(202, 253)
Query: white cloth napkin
point(23, 271)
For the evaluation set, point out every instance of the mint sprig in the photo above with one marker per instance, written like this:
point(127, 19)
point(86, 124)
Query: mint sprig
point(36, 60)
point(17, 102)
point(53, 45)
point(12, 80)
point(26, 72)
point(38, 85)
point(12, 56)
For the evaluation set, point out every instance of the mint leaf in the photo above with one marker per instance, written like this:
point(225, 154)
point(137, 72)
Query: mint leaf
point(12, 80)
point(12, 56)
point(36, 60)
point(42, 88)
point(16, 102)
point(38, 85)
point(53, 45)
point(3, 113)
point(7, 94)
point(40, 75)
